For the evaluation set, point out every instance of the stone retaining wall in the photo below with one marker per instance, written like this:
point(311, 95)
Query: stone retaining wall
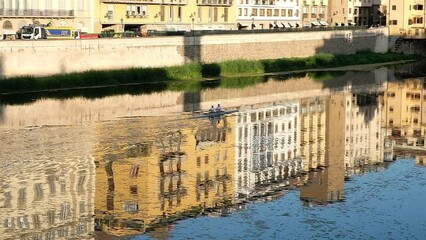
point(46, 57)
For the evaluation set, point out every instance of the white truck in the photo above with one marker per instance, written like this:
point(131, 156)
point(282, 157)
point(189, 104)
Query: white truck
point(49, 32)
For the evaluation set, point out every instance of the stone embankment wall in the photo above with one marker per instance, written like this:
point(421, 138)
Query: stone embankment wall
point(413, 46)
point(46, 57)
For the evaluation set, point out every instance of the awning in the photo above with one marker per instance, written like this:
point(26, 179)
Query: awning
point(323, 23)
point(315, 24)
point(291, 25)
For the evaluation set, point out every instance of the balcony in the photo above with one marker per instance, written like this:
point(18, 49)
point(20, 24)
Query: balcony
point(264, 2)
point(214, 2)
point(36, 13)
point(151, 2)
point(133, 14)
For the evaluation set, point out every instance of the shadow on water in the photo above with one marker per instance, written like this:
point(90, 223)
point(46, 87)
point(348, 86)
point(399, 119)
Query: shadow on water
point(192, 90)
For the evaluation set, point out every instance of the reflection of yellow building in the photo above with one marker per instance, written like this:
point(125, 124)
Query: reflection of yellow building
point(164, 15)
point(327, 185)
point(405, 109)
point(55, 201)
point(312, 132)
point(420, 160)
point(355, 124)
point(153, 179)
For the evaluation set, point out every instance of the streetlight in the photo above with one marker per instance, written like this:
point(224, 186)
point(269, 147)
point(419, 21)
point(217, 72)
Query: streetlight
point(252, 25)
point(192, 16)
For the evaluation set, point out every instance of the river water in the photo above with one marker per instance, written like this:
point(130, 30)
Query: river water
point(319, 155)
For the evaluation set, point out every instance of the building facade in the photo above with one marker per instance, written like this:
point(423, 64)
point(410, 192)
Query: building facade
point(164, 15)
point(268, 14)
point(73, 13)
point(314, 13)
point(406, 18)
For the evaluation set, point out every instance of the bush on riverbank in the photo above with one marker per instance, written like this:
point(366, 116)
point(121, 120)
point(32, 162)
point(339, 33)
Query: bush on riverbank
point(192, 71)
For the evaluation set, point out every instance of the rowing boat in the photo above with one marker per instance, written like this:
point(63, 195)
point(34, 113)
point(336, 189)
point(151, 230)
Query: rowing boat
point(214, 114)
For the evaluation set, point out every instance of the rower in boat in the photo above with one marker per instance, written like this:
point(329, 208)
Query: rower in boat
point(219, 109)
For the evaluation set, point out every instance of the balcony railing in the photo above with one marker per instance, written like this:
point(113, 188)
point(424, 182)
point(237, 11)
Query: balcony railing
point(36, 13)
point(215, 2)
point(133, 14)
point(169, 2)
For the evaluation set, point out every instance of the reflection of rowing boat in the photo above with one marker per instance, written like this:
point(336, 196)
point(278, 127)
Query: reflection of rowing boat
point(214, 114)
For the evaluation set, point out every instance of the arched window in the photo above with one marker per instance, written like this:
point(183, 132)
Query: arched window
point(7, 25)
point(21, 23)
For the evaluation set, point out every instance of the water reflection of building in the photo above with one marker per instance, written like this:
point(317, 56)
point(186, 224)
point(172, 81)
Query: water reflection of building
point(266, 148)
point(405, 110)
point(48, 199)
point(354, 138)
point(421, 160)
point(179, 172)
point(312, 131)
point(327, 184)
point(362, 118)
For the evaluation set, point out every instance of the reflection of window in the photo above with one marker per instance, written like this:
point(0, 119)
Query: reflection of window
point(304, 110)
point(134, 189)
point(312, 108)
point(131, 207)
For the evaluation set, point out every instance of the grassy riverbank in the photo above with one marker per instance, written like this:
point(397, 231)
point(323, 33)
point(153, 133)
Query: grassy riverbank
point(192, 72)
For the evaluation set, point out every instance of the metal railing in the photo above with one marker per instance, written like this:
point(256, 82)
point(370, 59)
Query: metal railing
point(36, 12)
point(215, 2)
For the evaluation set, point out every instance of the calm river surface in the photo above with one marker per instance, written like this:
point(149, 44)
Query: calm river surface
point(320, 155)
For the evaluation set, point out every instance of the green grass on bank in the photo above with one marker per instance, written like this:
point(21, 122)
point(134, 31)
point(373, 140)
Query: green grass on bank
point(192, 72)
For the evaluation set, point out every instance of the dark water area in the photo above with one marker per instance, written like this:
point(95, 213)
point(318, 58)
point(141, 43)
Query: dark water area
point(319, 155)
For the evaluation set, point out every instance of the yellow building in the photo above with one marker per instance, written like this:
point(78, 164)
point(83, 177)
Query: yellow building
point(406, 18)
point(164, 15)
point(151, 176)
point(73, 13)
point(314, 13)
